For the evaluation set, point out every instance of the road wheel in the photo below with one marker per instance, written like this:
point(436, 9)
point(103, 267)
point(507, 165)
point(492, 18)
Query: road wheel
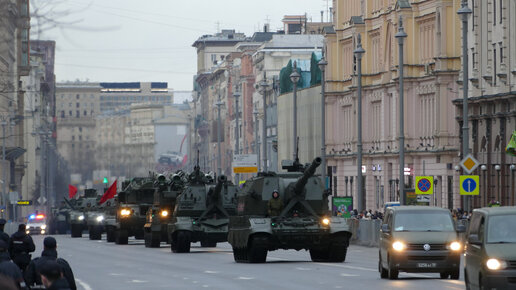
point(183, 242)
point(383, 272)
point(240, 255)
point(121, 237)
point(208, 244)
point(94, 233)
point(455, 274)
point(392, 272)
point(139, 235)
point(444, 275)
point(155, 239)
point(257, 251)
point(76, 231)
point(110, 235)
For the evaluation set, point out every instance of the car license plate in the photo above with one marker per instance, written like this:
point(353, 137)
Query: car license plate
point(426, 265)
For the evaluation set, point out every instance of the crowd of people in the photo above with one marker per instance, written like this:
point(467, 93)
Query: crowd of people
point(19, 271)
point(366, 215)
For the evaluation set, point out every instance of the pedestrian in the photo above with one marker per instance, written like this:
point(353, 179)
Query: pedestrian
point(275, 204)
point(20, 247)
point(52, 277)
point(32, 274)
point(8, 269)
point(3, 236)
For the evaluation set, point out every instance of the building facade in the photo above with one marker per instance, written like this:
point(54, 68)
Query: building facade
point(492, 98)
point(432, 65)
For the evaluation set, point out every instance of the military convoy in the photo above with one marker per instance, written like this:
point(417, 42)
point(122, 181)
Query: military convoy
point(202, 212)
point(305, 221)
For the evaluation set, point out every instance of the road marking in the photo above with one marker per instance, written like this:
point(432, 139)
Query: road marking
point(245, 278)
point(211, 272)
point(83, 284)
point(138, 281)
point(348, 275)
point(349, 267)
point(116, 274)
point(303, 269)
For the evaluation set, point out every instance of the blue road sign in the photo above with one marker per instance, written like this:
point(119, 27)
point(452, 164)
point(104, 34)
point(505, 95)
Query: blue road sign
point(469, 185)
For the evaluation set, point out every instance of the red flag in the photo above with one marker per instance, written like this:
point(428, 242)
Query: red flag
point(72, 190)
point(110, 193)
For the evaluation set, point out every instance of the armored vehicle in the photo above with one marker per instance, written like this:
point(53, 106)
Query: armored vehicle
point(80, 209)
point(304, 222)
point(133, 202)
point(59, 219)
point(159, 215)
point(202, 212)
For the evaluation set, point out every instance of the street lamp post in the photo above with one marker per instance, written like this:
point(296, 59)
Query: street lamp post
point(219, 158)
point(294, 77)
point(256, 144)
point(464, 13)
point(4, 169)
point(359, 52)
point(322, 65)
point(401, 35)
point(264, 86)
point(236, 95)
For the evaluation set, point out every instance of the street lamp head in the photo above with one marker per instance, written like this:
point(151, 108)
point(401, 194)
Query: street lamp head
point(497, 167)
point(236, 95)
point(483, 167)
point(295, 76)
point(464, 11)
point(400, 35)
point(322, 64)
point(359, 51)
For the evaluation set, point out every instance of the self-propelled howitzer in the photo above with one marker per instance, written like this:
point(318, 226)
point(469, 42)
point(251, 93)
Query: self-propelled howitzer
point(305, 220)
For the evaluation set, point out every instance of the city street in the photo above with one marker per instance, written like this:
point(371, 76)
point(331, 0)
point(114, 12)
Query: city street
point(99, 265)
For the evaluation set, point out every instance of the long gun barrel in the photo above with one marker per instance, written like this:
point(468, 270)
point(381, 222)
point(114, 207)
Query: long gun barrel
point(69, 203)
point(214, 195)
point(310, 171)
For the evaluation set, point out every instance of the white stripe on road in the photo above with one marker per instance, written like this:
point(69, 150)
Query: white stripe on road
point(83, 284)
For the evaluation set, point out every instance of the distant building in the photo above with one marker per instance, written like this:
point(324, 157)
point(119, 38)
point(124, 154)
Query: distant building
point(116, 95)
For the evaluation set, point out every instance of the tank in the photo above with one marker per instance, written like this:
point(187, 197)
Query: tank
point(159, 214)
point(59, 219)
point(132, 204)
point(202, 212)
point(305, 220)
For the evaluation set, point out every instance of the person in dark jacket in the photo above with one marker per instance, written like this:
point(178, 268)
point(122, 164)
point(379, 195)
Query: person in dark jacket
point(20, 247)
point(8, 268)
point(3, 236)
point(52, 277)
point(32, 274)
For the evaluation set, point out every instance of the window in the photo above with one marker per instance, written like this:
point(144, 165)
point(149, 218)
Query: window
point(426, 40)
point(494, 12)
point(73, 138)
point(77, 96)
point(501, 52)
point(494, 64)
point(473, 58)
point(428, 115)
point(85, 113)
point(80, 137)
point(77, 105)
point(77, 113)
point(473, 15)
point(501, 8)
point(62, 114)
point(70, 113)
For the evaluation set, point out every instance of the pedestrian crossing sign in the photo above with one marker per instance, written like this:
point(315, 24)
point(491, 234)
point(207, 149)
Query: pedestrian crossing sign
point(469, 185)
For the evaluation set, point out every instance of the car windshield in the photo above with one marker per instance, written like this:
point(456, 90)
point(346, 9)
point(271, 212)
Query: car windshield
point(423, 222)
point(500, 229)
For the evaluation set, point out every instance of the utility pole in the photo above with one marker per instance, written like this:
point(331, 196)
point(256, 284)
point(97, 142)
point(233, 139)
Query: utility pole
point(359, 52)
point(236, 95)
point(464, 12)
point(401, 35)
point(256, 144)
point(294, 77)
point(322, 65)
point(4, 169)
point(264, 86)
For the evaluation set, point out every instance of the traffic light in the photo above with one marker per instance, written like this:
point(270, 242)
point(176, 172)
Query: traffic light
point(105, 180)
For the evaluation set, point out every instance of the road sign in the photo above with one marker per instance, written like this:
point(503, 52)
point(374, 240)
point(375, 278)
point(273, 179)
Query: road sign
point(469, 163)
point(13, 197)
point(24, 202)
point(469, 185)
point(424, 185)
point(245, 163)
point(42, 200)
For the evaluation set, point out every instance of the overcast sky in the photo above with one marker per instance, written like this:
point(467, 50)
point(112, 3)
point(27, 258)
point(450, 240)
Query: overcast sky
point(137, 40)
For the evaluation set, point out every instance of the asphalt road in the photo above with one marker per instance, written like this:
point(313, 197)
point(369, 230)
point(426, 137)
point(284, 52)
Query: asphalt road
point(99, 265)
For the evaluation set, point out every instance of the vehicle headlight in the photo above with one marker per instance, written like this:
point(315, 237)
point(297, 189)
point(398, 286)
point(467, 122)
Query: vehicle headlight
point(398, 246)
point(455, 246)
point(81, 217)
point(42, 232)
point(43, 227)
point(125, 212)
point(495, 264)
point(325, 221)
point(27, 227)
point(164, 213)
point(100, 218)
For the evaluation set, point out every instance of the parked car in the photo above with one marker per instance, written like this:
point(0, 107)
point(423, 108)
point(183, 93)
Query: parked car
point(490, 253)
point(419, 239)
